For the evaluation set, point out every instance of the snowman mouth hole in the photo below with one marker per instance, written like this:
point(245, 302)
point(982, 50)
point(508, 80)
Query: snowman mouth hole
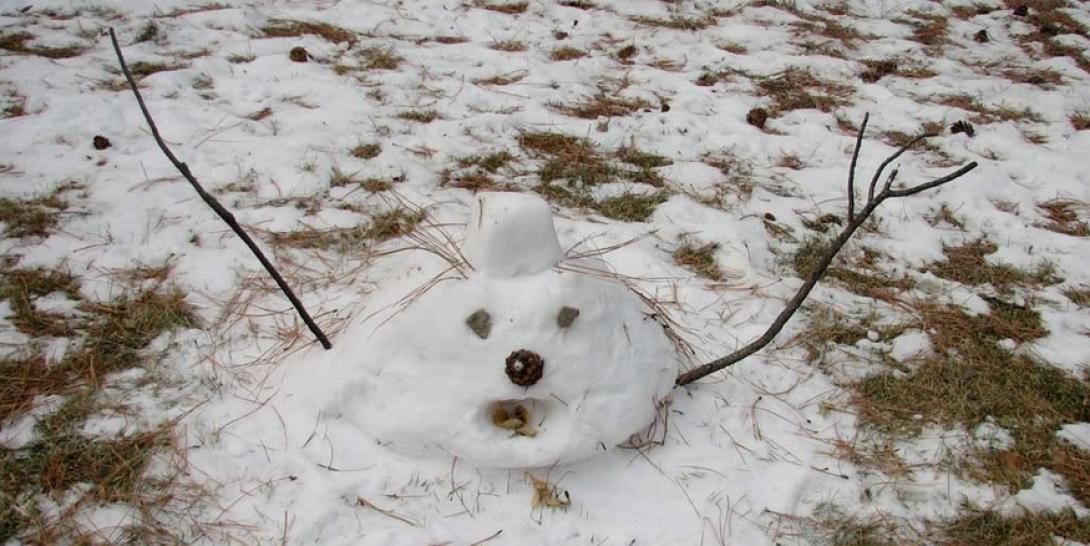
point(518, 418)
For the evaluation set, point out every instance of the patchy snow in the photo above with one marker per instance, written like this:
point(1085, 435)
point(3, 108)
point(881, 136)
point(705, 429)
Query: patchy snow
point(1076, 433)
point(1046, 495)
point(20, 431)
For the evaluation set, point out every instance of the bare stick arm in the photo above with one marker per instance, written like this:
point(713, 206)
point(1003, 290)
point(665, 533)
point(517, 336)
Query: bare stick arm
point(851, 170)
point(934, 183)
point(792, 306)
point(891, 159)
point(216, 206)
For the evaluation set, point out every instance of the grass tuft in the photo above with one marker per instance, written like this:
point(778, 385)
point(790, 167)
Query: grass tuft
point(419, 116)
point(380, 58)
point(241, 58)
point(1080, 296)
point(567, 158)
point(864, 279)
point(290, 28)
point(699, 260)
point(630, 207)
point(148, 32)
point(368, 150)
point(567, 53)
point(21, 287)
point(967, 264)
point(641, 159)
point(602, 105)
point(798, 88)
point(831, 526)
point(1080, 120)
point(991, 528)
point(1045, 78)
point(1062, 217)
point(511, 8)
point(143, 69)
point(388, 225)
point(30, 217)
point(122, 328)
point(508, 45)
point(490, 162)
point(929, 30)
point(16, 42)
point(676, 22)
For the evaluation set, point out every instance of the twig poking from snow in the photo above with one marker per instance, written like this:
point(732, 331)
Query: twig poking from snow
point(216, 206)
point(482, 541)
point(360, 501)
point(854, 221)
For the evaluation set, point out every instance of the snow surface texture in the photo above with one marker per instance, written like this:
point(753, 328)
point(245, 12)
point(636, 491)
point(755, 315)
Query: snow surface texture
point(427, 382)
point(263, 133)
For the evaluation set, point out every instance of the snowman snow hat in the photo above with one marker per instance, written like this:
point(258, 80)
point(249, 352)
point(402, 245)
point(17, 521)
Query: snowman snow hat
point(521, 364)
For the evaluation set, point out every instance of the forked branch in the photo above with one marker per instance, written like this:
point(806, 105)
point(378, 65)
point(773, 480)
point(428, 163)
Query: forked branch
point(211, 201)
point(854, 221)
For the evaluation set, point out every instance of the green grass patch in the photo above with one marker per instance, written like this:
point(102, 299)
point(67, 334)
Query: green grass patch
point(489, 162)
point(699, 259)
point(972, 379)
point(630, 207)
point(108, 337)
point(967, 264)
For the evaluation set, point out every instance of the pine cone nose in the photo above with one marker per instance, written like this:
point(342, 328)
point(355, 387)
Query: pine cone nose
point(524, 368)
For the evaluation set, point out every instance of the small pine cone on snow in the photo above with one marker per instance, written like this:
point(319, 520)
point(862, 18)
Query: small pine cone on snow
point(524, 368)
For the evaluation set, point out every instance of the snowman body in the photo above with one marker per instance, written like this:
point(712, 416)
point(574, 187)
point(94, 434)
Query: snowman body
point(523, 363)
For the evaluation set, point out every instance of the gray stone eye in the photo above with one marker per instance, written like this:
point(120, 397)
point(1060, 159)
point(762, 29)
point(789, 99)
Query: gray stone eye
point(566, 316)
point(480, 322)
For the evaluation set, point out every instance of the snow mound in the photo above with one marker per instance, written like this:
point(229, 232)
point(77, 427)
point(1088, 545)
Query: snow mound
point(510, 234)
point(519, 365)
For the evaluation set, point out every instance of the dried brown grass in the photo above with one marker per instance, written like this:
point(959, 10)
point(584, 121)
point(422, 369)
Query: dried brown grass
point(1062, 217)
point(291, 28)
point(798, 89)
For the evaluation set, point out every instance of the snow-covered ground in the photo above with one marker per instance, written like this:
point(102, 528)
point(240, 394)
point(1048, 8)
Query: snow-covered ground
point(261, 418)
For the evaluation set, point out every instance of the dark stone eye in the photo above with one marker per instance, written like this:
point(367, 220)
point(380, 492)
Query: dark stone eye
point(566, 316)
point(480, 322)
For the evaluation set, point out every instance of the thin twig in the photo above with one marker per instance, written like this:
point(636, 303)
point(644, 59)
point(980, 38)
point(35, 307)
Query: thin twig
point(853, 224)
point(851, 170)
point(490, 537)
point(360, 501)
point(216, 206)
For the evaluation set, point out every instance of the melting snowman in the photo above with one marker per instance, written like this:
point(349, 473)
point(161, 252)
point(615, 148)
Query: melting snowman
point(524, 363)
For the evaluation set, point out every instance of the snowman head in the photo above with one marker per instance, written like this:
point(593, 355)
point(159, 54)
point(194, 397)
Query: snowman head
point(521, 364)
